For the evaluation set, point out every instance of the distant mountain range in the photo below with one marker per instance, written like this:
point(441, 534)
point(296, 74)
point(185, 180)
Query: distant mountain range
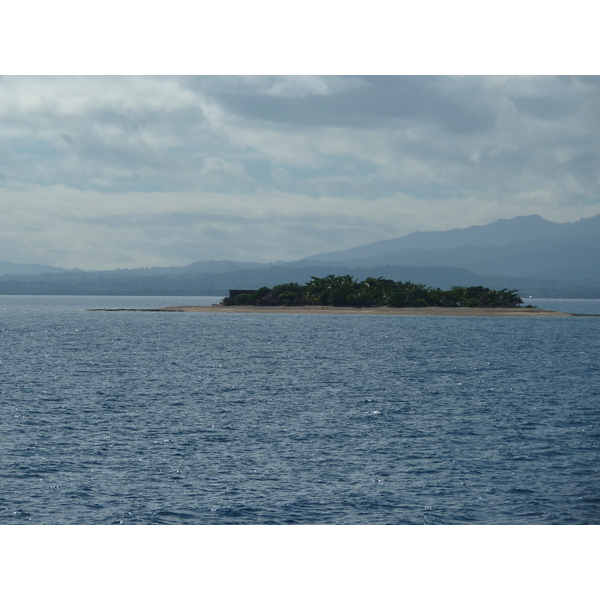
point(520, 247)
point(10, 268)
point(498, 233)
point(530, 254)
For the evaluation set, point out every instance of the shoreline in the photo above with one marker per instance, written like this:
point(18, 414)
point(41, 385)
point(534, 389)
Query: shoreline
point(432, 311)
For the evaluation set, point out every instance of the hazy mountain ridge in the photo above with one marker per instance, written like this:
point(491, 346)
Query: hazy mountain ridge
point(201, 266)
point(12, 268)
point(529, 254)
point(498, 233)
point(547, 258)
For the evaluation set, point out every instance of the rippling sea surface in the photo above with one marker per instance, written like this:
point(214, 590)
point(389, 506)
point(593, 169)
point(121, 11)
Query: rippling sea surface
point(198, 418)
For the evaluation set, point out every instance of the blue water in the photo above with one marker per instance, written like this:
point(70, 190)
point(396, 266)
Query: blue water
point(198, 418)
point(587, 307)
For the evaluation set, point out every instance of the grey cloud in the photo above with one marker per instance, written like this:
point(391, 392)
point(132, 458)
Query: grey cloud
point(297, 86)
point(217, 174)
point(171, 220)
point(140, 145)
point(120, 141)
point(373, 102)
point(542, 107)
point(339, 186)
point(306, 162)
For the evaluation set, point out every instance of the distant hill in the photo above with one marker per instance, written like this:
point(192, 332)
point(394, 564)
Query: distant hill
point(555, 258)
point(224, 266)
point(142, 282)
point(498, 233)
point(184, 283)
point(529, 254)
point(11, 268)
point(561, 259)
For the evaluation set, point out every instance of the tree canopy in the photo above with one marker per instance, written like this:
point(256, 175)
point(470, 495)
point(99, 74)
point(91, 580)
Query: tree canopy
point(345, 290)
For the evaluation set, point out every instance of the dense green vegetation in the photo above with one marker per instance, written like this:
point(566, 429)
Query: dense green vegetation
point(345, 290)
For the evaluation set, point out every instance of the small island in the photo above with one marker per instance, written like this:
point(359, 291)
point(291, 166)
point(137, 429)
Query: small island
point(346, 291)
point(374, 296)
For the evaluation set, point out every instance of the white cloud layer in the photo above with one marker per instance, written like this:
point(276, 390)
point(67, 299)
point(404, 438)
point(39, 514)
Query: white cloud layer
point(108, 172)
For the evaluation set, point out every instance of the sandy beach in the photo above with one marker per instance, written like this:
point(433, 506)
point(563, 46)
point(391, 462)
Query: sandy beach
point(432, 311)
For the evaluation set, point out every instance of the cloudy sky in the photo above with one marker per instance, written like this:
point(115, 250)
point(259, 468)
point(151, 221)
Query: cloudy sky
point(120, 171)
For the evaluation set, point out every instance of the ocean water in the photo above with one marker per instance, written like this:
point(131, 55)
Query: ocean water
point(183, 418)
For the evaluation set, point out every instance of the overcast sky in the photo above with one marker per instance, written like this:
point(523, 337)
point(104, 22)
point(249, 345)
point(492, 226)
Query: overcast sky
point(118, 172)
